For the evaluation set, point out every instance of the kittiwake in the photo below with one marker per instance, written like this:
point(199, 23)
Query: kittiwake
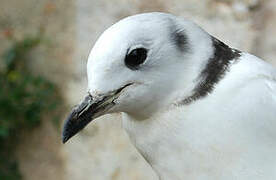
point(195, 108)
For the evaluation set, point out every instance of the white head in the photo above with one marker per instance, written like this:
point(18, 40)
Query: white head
point(138, 63)
point(164, 54)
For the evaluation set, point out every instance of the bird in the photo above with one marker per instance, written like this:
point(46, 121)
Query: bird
point(194, 107)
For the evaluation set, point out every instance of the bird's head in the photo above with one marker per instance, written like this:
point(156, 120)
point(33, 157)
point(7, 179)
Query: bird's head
point(134, 67)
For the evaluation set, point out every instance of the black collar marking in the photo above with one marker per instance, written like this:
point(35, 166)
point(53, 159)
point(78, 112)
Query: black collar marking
point(214, 71)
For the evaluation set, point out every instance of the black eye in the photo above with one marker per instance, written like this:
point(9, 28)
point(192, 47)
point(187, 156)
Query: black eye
point(135, 58)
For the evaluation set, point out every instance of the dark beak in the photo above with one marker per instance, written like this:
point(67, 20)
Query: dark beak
point(89, 109)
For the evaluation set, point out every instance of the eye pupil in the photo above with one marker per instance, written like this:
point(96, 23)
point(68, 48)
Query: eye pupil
point(135, 58)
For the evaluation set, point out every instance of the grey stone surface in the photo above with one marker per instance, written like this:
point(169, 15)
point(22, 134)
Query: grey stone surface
point(265, 42)
point(39, 151)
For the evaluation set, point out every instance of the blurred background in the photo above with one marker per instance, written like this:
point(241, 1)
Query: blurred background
point(44, 45)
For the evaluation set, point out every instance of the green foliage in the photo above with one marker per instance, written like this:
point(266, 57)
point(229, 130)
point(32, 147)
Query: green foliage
point(9, 169)
point(24, 99)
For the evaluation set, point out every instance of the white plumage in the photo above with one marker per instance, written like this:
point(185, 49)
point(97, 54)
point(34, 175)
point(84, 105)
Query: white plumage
point(195, 109)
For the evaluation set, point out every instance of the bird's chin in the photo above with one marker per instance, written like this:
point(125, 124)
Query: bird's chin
point(89, 109)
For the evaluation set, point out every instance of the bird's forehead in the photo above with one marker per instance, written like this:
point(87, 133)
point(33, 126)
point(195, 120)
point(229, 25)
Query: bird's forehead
point(133, 31)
